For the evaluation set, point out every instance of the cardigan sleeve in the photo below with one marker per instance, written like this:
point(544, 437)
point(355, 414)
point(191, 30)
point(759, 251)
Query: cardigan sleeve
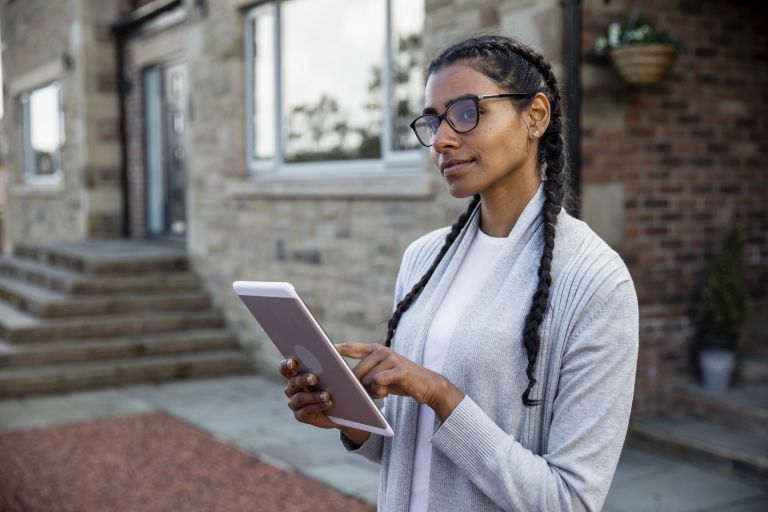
point(589, 422)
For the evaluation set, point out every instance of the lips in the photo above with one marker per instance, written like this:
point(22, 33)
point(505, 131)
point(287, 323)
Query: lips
point(450, 167)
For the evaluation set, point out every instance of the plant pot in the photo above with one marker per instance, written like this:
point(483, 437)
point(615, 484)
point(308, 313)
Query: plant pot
point(643, 64)
point(717, 367)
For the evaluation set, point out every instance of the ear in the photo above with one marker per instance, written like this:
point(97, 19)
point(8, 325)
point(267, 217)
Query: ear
point(537, 116)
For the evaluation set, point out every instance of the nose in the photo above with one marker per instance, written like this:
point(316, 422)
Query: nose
point(445, 137)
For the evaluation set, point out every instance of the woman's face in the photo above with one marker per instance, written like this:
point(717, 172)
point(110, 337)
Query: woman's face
point(497, 154)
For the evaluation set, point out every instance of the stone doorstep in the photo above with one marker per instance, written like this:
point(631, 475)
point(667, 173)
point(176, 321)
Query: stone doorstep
point(744, 410)
point(48, 304)
point(67, 377)
point(37, 354)
point(119, 325)
point(89, 258)
point(68, 281)
point(111, 305)
point(753, 370)
point(705, 445)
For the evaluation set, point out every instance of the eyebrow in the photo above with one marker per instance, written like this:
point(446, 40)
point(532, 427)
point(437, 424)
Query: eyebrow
point(430, 110)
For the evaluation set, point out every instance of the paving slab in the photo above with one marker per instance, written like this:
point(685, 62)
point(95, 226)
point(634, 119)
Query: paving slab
point(759, 504)
point(651, 484)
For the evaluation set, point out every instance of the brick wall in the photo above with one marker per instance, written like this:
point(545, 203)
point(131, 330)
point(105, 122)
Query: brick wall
point(691, 155)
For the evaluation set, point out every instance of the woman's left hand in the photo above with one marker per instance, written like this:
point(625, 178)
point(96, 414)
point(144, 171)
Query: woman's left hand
point(383, 371)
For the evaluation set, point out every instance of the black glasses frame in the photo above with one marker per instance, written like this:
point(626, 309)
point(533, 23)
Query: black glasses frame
point(475, 99)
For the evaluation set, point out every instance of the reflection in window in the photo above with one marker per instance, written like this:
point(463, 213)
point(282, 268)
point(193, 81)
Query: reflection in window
point(42, 132)
point(334, 79)
point(263, 90)
point(407, 27)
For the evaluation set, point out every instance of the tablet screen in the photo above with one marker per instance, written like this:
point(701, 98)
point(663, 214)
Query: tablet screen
point(296, 334)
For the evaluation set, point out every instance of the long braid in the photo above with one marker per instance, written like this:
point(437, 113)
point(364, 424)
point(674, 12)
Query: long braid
point(551, 154)
point(411, 296)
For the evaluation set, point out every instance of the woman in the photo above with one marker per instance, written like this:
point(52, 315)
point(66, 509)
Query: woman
point(509, 364)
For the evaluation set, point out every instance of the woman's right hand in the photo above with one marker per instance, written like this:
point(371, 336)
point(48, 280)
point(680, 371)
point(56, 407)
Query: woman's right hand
point(307, 406)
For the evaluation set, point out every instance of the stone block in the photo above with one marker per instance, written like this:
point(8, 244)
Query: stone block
point(602, 207)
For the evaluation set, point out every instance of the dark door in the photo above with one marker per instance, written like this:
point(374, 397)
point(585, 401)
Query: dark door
point(165, 99)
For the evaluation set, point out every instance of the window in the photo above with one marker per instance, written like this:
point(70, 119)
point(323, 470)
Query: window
point(42, 133)
point(333, 81)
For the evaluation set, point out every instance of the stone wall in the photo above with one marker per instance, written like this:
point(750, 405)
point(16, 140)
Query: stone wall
point(68, 41)
point(688, 156)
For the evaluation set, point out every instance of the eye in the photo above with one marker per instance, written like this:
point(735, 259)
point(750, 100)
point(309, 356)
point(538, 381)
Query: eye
point(464, 112)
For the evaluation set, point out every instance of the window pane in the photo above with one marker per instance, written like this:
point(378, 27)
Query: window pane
point(264, 85)
point(44, 130)
point(408, 75)
point(332, 88)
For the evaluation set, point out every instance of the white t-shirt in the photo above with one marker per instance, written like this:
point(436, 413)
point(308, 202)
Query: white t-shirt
point(469, 278)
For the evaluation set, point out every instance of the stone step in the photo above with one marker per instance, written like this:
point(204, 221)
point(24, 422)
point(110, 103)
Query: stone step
point(705, 444)
point(69, 351)
point(741, 409)
point(47, 303)
point(69, 281)
point(753, 369)
point(106, 257)
point(62, 378)
point(16, 327)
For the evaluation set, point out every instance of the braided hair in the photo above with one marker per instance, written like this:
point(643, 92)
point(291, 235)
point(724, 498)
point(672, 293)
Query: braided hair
point(517, 68)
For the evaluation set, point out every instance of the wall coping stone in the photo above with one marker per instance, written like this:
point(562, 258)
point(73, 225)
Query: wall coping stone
point(362, 187)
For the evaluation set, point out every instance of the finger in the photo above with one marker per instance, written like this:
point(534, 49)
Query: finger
point(300, 383)
point(306, 413)
point(288, 368)
point(381, 356)
point(301, 400)
point(356, 350)
point(379, 384)
point(382, 375)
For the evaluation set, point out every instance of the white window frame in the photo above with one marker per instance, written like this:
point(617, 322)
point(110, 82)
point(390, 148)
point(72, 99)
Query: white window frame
point(392, 162)
point(26, 156)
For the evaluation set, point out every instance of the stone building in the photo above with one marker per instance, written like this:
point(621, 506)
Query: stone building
point(173, 123)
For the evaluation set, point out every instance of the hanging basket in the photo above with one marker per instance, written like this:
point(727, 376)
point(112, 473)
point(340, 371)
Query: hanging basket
point(643, 64)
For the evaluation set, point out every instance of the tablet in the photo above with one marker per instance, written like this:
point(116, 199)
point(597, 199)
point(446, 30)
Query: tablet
point(296, 334)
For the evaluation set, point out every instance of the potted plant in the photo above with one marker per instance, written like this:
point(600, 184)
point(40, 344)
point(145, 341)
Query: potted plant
point(641, 54)
point(722, 311)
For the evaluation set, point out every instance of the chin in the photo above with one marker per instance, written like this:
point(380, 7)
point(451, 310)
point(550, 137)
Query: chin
point(460, 191)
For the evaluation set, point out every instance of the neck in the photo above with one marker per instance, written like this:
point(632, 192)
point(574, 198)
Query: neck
point(501, 207)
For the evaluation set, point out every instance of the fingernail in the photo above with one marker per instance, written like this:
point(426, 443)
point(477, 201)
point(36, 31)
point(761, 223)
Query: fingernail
point(323, 396)
point(290, 364)
point(311, 379)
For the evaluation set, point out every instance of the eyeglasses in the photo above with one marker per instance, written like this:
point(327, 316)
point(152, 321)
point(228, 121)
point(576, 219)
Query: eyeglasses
point(462, 115)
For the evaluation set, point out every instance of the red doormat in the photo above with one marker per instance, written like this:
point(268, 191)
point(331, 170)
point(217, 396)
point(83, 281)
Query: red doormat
point(150, 462)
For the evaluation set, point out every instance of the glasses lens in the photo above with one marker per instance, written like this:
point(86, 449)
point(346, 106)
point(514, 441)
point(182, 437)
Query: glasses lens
point(463, 115)
point(425, 128)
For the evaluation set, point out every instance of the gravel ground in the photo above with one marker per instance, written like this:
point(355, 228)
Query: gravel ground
point(149, 462)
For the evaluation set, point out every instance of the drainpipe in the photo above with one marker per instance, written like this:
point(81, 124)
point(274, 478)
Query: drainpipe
point(121, 29)
point(572, 83)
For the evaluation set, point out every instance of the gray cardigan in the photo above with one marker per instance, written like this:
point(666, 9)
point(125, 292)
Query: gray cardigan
point(492, 453)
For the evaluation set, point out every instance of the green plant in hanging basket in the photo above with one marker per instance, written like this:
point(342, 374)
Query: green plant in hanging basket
point(724, 299)
point(640, 53)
